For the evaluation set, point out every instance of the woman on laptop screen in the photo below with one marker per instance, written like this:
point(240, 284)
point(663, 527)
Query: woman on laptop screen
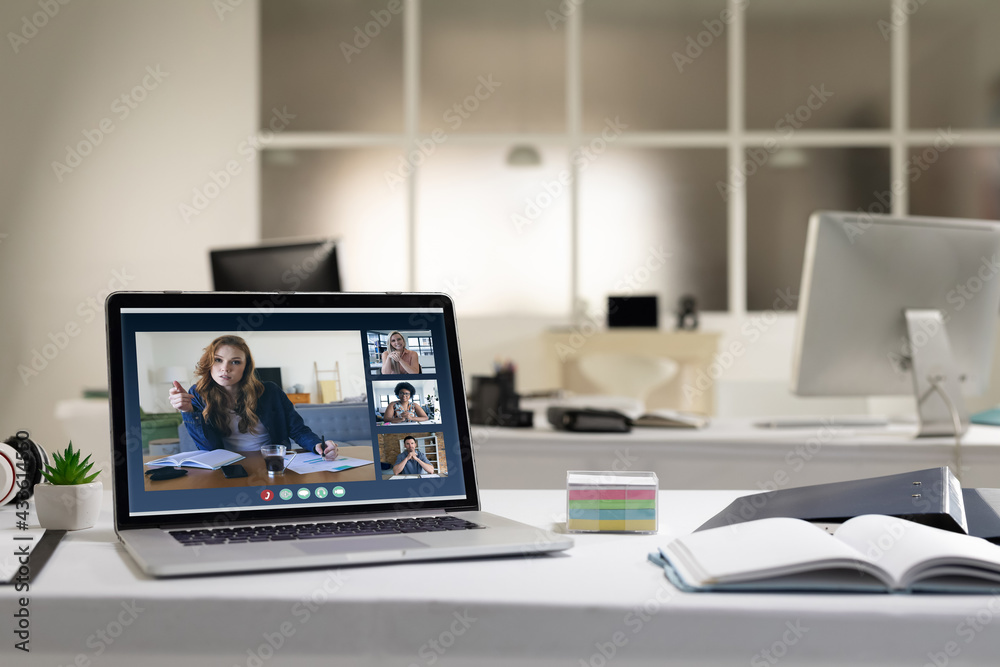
point(397, 359)
point(230, 408)
point(405, 409)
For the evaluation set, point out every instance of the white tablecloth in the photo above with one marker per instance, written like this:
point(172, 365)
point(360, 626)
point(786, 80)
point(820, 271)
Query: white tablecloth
point(600, 603)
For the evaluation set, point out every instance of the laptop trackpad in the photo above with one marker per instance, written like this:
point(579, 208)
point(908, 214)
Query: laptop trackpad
point(341, 545)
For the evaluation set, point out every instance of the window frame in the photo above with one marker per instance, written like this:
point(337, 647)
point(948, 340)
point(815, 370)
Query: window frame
point(899, 138)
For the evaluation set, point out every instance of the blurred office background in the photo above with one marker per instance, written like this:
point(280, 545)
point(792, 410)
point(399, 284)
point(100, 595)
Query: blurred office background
point(437, 138)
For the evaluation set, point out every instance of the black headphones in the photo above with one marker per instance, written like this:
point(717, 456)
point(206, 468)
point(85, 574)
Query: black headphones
point(21, 464)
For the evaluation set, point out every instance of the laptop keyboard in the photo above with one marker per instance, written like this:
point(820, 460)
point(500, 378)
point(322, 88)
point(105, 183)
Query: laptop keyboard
point(319, 531)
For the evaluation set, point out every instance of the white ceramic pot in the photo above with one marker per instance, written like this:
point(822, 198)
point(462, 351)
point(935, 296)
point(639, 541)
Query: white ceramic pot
point(71, 507)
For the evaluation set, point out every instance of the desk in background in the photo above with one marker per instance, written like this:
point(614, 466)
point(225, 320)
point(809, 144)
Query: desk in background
point(694, 351)
point(553, 610)
point(253, 462)
point(728, 454)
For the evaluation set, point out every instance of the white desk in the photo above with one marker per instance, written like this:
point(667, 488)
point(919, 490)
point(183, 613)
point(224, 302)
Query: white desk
point(729, 454)
point(555, 610)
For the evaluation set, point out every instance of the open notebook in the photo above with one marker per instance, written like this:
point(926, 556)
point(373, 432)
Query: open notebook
point(868, 553)
point(210, 460)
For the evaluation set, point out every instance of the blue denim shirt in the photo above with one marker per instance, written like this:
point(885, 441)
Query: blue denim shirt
point(411, 467)
point(274, 410)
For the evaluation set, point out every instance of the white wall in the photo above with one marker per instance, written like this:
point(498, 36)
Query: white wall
point(116, 214)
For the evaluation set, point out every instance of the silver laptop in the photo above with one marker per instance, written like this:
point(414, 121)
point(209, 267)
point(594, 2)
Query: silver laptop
point(201, 382)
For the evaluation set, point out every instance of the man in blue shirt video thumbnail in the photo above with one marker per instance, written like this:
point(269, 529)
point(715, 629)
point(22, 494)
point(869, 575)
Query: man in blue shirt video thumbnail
point(412, 461)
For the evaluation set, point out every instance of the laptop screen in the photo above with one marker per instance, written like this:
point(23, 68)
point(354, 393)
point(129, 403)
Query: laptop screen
point(239, 408)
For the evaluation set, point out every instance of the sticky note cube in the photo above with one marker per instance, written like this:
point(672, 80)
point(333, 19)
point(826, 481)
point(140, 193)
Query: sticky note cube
point(607, 501)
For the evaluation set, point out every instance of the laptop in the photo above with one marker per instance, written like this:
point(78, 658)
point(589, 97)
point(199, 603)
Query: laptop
point(402, 486)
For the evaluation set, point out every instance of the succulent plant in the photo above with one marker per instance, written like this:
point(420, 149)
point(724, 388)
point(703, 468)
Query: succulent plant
point(69, 469)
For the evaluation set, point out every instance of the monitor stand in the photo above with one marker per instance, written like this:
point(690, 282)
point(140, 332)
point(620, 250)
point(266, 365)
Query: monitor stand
point(936, 382)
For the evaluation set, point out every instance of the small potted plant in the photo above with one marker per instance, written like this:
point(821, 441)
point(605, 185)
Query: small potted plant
point(69, 499)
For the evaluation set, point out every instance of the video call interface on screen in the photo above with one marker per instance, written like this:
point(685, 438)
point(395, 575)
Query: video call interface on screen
point(290, 409)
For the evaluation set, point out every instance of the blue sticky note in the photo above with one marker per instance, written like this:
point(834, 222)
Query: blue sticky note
point(987, 417)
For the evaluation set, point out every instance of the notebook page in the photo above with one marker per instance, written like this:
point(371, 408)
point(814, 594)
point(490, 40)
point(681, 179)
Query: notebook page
point(215, 458)
point(906, 549)
point(759, 549)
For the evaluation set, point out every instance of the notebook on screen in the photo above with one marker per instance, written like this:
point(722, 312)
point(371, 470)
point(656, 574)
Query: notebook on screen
point(384, 474)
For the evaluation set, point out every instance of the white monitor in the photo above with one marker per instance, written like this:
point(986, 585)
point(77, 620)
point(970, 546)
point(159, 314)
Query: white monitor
point(883, 295)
